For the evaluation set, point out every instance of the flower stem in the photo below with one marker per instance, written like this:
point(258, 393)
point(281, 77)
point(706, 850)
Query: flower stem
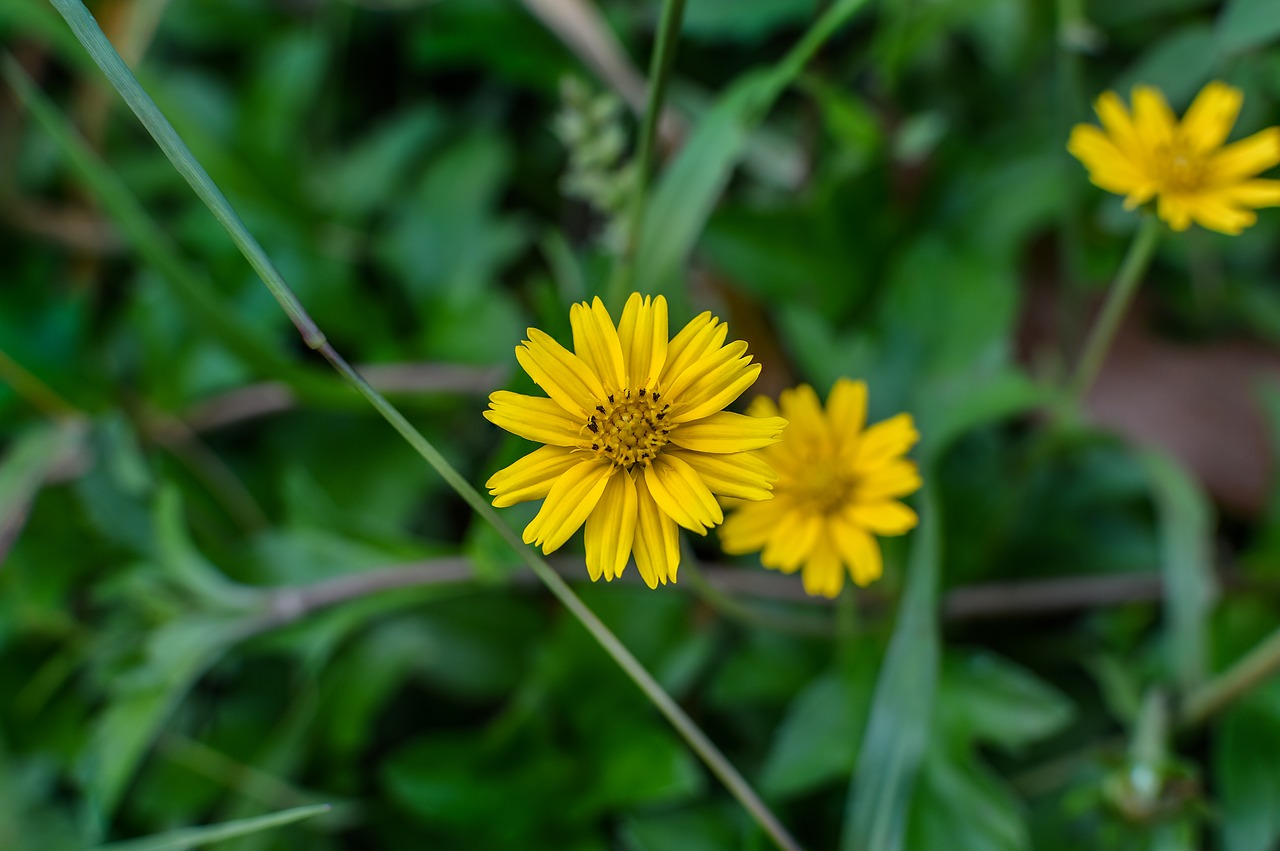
point(1255, 666)
point(1118, 297)
point(664, 51)
point(99, 48)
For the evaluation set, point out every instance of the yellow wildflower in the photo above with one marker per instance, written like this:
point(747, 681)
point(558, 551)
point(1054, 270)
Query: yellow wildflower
point(1185, 166)
point(637, 441)
point(837, 488)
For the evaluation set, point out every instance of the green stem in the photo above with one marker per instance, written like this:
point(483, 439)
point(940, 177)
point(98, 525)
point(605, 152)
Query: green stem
point(664, 51)
point(1255, 666)
point(1118, 297)
point(40, 395)
point(90, 35)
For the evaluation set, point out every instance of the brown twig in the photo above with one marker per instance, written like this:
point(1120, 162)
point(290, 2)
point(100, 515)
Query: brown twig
point(272, 397)
point(1031, 598)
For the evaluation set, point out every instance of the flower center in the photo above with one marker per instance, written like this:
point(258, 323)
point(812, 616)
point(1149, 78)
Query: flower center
point(628, 427)
point(825, 489)
point(1178, 168)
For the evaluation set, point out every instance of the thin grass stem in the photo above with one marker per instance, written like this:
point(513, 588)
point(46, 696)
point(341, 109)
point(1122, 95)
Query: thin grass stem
point(664, 51)
point(91, 37)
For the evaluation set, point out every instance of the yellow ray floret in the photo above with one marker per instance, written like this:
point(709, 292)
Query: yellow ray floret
point(636, 438)
point(1185, 165)
point(837, 487)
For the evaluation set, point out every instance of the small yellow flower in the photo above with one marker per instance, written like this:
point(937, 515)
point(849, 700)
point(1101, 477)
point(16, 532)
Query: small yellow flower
point(1149, 154)
point(637, 441)
point(837, 487)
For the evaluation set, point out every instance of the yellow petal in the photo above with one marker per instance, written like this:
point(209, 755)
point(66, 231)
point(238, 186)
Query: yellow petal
point(1217, 213)
point(740, 475)
point(858, 550)
point(1119, 124)
point(703, 335)
point(823, 574)
point(762, 406)
point(534, 418)
point(1109, 168)
point(1255, 193)
point(726, 432)
point(847, 409)
point(749, 527)
point(1174, 210)
point(611, 529)
point(806, 422)
point(1211, 116)
point(1245, 158)
point(532, 476)
point(711, 383)
point(1152, 118)
point(682, 494)
point(898, 478)
point(595, 340)
point(882, 518)
point(560, 372)
point(643, 335)
point(571, 499)
point(791, 541)
point(657, 541)
point(885, 441)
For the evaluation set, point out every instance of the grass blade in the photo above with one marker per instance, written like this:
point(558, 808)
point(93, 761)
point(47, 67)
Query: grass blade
point(686, 194)
point(897, 732)
point(1186, 560)
point(198, 837)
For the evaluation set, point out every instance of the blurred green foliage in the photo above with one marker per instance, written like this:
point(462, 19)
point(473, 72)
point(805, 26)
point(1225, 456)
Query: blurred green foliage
point(180, 479)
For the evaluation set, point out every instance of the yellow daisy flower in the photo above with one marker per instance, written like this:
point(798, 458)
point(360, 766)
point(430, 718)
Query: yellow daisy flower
point(837, 488)
point(637, 441)
point(1185, 166)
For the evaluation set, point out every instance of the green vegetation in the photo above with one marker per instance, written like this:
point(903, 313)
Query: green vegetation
point(237, 608)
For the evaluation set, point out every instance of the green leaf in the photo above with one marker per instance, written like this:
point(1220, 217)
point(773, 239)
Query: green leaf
point(1246, 767)
point(177, 654)
point(1186, 561)
point(1247, 24)
point(1179, 65)
point(992, 700)
point(198, 837)
point(897, 733)
point(23, 470)
point(688, 190)
point(818, 738)
point(962, 806)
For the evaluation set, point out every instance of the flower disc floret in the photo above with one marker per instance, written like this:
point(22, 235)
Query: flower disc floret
point(636, 439)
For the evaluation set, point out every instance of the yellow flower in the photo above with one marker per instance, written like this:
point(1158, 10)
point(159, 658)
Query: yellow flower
point(636, 438)
point(1149, 154)
point(837, 487)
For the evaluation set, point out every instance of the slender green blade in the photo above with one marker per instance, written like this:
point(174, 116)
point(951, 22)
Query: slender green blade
point(897, 733)
point(198, 837)
point(688, 190)
point(1186, 560)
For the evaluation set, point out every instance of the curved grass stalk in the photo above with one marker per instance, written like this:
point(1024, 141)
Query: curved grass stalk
point(89, 34)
